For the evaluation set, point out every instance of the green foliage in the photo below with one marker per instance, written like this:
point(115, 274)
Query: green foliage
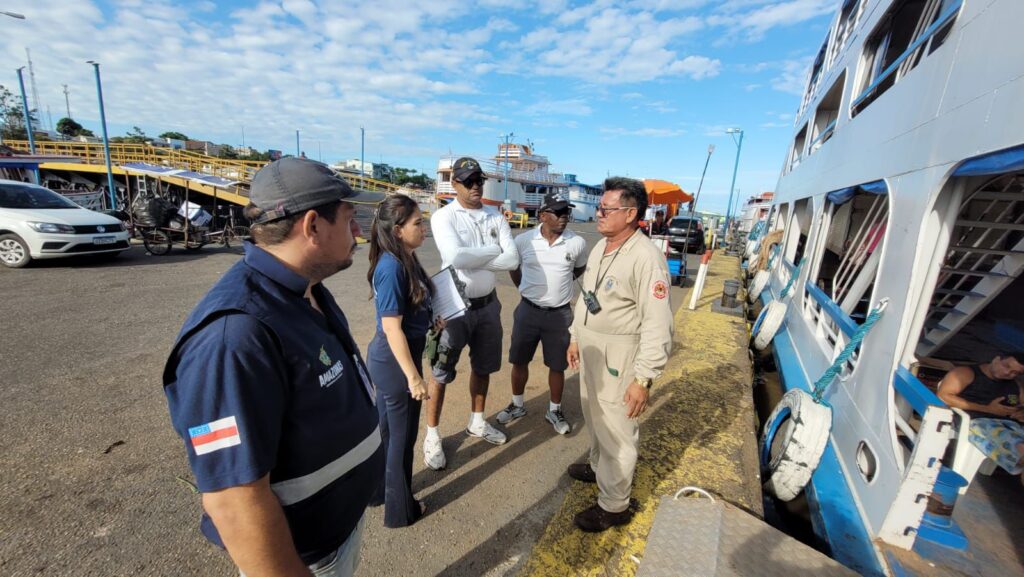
point(174, 135)
point(12, 116)
point(227, 151)
point(405, 176)
point(68, 127)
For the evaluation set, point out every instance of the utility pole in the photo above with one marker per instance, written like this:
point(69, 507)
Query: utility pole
point(32, 82)
point(507, 138)
point(362, 151)
point(67, 101)
point(732, 187)
point(297, 152)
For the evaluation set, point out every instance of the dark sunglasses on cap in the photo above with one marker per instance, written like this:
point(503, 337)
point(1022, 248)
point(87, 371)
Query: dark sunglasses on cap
point(559, 212)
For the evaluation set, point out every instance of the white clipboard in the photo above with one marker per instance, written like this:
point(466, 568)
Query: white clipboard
point(449, 300)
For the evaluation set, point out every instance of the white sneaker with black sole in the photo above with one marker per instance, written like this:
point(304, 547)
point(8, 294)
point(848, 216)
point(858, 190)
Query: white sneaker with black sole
point(488, 433)
point(510, 413)
point(433, 454)
point(557, 420)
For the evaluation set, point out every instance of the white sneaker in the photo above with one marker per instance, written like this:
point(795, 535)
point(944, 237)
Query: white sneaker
point(488, 433)
point(433, 454)
point(557, 420)
point(510, 413)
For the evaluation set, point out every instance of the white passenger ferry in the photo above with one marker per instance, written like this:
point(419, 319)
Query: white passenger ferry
point(903, 189)
point(529, 178)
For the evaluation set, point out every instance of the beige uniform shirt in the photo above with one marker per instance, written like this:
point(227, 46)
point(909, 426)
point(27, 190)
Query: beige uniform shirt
point(633, 290)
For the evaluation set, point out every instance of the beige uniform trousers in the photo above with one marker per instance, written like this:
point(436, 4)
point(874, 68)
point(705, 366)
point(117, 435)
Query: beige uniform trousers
point(614, 437)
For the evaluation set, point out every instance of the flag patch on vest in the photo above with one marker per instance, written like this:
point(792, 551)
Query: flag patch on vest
point(215, 435)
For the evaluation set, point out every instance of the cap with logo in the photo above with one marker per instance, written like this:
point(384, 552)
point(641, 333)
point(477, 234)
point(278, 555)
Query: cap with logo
point(555, 201)
point(464, 168)
point(294, 185)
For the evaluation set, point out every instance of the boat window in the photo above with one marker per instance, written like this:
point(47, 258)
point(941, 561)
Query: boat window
point(910, 30)
point(849, 15)
point(799, 227)
point(816, 70)
point(446, 177)
point(856, 224)
point(798, 148)
point(827, 114)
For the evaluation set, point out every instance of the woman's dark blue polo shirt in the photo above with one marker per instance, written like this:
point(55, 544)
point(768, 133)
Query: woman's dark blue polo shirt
point(261, 383)
point(391, 293)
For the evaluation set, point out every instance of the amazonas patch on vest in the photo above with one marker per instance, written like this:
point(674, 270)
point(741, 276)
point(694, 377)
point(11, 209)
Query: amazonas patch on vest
point(659, 289)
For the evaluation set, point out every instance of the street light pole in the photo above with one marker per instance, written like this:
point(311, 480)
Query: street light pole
point(13, 14)
point(106, 141)
point(735, 167)
point(507, 137)
point(696, 197)
point(297, 151)
point(28, 122)
point(362, 152)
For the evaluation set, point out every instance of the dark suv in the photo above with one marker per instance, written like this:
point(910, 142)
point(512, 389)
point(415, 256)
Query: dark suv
point(677, 234)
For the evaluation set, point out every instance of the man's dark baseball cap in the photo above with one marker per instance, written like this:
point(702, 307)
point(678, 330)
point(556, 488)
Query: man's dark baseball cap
point(555, 201)
point(464, 168)
point(294, 185)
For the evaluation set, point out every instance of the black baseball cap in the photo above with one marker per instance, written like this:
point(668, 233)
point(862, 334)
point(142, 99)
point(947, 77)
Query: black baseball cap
point(464, 168)
point(293, 185)
point(555, 201)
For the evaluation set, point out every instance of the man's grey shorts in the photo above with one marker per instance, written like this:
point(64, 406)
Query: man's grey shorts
point(481, 330)
point(549, 327)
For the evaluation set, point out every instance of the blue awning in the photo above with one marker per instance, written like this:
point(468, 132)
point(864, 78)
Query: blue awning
point(1008, 160)
point(843, 195)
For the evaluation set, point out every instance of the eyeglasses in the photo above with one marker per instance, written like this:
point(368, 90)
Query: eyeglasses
point(473, 181)
point(604, 210)
point(560, 212)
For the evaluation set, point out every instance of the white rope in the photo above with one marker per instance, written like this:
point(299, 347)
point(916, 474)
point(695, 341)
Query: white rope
point(698, 490)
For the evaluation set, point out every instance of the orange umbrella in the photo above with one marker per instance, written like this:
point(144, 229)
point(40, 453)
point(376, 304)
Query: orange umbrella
point(665, 192)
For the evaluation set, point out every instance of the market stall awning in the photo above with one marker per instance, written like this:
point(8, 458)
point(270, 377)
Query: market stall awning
point(665, 192)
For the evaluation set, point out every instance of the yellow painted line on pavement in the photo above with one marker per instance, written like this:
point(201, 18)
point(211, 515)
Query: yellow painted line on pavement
point(699, 431)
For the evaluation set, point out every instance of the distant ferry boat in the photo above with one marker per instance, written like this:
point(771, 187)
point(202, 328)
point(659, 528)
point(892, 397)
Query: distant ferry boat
point(902, 189)
point(755, 210)
point(528, 178)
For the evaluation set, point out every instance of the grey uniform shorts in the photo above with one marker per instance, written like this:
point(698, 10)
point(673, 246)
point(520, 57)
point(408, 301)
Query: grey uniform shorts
point(549, 327)
point(481, 330)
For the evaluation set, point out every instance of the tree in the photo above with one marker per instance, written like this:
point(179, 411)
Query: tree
point(174, 135)
point(13, 117)
point(410, 176)
point(227, 151)
point(136, 136)
point(68, 127)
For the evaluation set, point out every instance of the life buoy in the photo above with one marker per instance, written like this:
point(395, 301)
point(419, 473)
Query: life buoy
point(752, 263)
point(768, 323)
point(792, 443)
point(757, 285)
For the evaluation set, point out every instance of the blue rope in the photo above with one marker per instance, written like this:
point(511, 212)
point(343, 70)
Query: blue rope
point(774, 253)
point(822, 384)
point(792, 279)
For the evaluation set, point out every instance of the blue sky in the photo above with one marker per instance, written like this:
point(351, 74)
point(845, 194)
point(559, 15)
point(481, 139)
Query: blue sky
point(638, 88)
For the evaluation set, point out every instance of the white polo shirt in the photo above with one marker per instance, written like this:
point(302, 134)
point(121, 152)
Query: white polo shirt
point(476, 243)
point(547, 268)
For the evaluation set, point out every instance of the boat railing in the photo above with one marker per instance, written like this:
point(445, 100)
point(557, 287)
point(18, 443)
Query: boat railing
point(868, 94)
point(831, 324)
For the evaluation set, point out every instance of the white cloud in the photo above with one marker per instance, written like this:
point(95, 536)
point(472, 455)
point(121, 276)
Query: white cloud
point(793, 77)
point(573, 107)
point(644, 132)
point(750, 20)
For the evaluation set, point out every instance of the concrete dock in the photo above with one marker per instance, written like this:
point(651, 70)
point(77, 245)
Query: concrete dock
point(700, 430)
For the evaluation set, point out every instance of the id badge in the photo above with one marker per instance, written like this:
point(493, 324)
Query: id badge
point(366, 380)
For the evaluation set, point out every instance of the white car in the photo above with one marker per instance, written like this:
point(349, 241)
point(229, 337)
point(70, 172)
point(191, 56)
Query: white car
point(37, 223)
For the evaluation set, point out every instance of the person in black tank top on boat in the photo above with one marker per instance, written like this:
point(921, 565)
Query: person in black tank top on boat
point(991, 394)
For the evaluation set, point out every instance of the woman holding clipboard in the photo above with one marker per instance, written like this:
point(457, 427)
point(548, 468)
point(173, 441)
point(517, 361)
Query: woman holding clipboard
point(402, 291)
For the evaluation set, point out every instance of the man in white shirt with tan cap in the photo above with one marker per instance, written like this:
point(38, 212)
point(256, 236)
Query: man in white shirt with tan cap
point(551, 257)
point(475, 240)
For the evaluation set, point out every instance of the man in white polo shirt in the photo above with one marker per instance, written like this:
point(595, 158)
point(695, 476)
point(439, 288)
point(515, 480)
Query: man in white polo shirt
point(475, 240)
point(550, 258)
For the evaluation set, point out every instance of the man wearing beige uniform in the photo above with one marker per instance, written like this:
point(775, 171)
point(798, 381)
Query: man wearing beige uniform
point(620, 340)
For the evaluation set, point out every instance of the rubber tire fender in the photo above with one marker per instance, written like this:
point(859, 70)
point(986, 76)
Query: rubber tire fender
point(757, 285)
point(786, 475)
point(768, 323)
point(751, 248)
point(752, 263)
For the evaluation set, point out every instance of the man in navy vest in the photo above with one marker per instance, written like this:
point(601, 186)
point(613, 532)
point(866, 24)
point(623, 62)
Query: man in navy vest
point(269, 392)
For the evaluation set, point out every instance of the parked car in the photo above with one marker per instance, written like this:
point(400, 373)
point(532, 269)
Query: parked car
point(682, 228)
point(38, 223)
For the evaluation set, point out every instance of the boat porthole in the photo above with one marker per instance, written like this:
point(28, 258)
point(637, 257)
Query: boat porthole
point(867, 464)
